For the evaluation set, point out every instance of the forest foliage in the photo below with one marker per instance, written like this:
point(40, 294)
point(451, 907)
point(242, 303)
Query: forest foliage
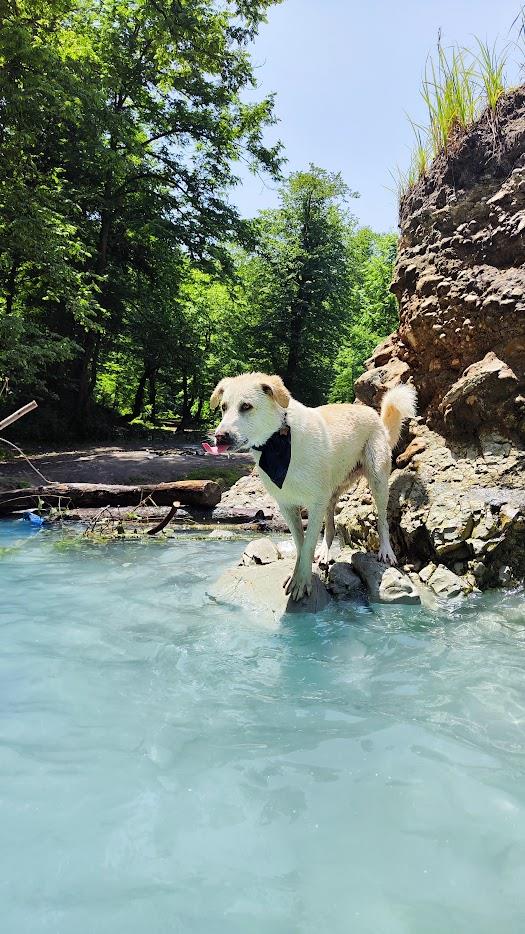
point(128, 281)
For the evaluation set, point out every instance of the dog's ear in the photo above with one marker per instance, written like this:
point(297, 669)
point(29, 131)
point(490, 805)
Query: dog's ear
point(217, 393)
point(274, 386)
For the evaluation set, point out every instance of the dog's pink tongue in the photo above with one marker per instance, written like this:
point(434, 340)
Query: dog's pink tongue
point(214, 448)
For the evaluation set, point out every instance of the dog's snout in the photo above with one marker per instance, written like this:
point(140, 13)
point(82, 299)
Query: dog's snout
point(223, 437)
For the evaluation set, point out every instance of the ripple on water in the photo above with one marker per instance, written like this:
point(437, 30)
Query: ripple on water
point(165, 765)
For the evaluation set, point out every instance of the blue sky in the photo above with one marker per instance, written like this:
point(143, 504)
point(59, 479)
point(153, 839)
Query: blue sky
point(346, 74)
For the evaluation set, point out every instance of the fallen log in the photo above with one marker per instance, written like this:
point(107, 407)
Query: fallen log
point(203, 493)
point(240, 514)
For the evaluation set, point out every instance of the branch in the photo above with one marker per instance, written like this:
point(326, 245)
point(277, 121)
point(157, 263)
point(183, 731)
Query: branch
point(18, 414)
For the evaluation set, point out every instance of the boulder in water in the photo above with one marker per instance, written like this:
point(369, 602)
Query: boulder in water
point(259, 589)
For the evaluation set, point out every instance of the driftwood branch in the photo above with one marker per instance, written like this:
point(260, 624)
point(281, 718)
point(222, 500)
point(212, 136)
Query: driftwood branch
point(167, 518)
point(18, 414)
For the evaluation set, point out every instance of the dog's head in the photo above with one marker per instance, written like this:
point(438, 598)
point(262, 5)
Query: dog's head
point(252, 409)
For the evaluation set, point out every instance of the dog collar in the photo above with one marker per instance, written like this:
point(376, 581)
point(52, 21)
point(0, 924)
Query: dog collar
point(276, 453)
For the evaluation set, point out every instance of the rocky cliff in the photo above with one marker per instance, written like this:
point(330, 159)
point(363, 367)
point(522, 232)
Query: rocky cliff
point(458, 493)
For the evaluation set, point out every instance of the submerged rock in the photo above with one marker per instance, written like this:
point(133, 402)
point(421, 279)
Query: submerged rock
point(222, 535)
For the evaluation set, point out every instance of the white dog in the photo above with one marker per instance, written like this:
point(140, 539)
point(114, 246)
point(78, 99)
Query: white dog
point(312, 456)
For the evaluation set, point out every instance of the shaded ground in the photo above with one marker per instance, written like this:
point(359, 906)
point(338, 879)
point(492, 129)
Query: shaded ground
point(120, 464)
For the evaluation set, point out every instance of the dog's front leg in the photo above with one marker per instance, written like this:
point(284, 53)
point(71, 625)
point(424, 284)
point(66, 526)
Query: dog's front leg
point(301, 579)
point(292, 517)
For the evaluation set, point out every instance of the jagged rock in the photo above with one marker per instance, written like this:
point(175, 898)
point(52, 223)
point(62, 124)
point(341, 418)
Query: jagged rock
point(259, 591)
point(416, 446)
point(444, 582)
point(478, 393)
point(342, 580)
point(372, 384)
point(384, 584)
point(260, 551)
point(451, 505)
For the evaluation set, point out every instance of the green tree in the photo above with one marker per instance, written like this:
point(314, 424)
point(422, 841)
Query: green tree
point(372, 308)
point(121, 122)
point(297, 281)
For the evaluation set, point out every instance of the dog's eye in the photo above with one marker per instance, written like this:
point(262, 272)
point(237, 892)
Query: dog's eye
point(224, 407)
point(245, 407)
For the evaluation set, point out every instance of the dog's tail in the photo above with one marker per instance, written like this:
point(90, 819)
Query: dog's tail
point(397, 405)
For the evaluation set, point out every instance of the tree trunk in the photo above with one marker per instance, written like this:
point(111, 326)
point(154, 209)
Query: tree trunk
point(87, 374)
point(85, 381)
point(11, 287)
point(187, 402)
point(138, 403)
point(153, 395)
point(294, 346)
point(299, 306)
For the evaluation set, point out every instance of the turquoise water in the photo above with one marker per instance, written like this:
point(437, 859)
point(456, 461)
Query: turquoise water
point(166, 766)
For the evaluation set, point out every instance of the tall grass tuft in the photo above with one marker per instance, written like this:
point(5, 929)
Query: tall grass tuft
point(457, 86)
point(491, 65)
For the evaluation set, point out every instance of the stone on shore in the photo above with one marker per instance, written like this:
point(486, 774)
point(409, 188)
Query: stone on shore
point(384, 584)
point(444, 582)
point(342, 580)
point(260, 551)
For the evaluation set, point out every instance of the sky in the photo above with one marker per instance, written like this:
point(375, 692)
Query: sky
point(346, 74)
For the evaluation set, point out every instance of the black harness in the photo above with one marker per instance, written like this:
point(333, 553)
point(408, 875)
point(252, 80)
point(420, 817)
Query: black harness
point(276, 453)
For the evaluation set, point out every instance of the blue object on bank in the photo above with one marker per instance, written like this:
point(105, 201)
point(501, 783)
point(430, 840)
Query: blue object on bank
point(33, 518)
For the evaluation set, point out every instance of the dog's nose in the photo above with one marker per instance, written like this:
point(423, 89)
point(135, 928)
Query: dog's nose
point(222, 437)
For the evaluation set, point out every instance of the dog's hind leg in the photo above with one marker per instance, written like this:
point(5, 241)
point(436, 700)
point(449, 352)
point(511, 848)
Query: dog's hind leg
point(329, 532)
point(377, 462)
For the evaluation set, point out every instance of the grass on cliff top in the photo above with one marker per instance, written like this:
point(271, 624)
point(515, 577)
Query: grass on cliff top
point(458, 85)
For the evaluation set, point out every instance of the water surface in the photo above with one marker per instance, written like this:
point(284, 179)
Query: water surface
point(167, 766)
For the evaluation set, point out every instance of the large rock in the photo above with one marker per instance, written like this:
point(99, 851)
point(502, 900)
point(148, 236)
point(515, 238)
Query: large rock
point(444, 582)
point(458, 497)
point(342, 580)
point(249, 494)
point(258, 589)
point(460, 279)
point(474, 398)
point(458, 505)
point(384, 584)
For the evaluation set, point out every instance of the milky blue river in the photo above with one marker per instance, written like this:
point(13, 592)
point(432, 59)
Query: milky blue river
point(169, 766)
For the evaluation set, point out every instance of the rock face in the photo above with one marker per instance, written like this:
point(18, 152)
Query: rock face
point(459, 506)
point(458, 495)
point(460, 281)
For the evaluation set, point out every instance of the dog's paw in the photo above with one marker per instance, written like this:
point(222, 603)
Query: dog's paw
point(323, 556)
point(386, 554)
point(298, 586)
